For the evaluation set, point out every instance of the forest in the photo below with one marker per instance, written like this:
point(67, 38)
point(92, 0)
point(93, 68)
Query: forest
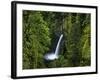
point(40, 31)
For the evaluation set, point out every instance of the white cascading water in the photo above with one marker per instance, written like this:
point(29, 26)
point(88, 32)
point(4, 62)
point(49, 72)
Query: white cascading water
point(54, 55)
point(58, 45)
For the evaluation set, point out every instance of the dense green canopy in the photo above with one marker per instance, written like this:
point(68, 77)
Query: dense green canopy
point(40, 28)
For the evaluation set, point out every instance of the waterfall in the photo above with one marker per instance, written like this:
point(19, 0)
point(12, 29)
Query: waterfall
point(58, 45)
point(54, 55)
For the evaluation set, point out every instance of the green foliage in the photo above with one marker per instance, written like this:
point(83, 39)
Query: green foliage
point(85, 49)
point(40, 29)
point(36, 39)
